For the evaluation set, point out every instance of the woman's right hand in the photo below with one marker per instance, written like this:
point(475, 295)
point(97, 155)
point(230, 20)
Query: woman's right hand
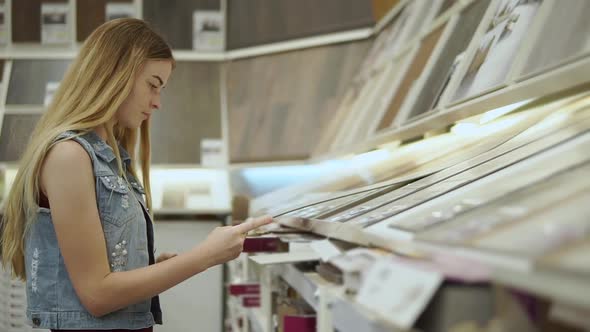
point(226, 243)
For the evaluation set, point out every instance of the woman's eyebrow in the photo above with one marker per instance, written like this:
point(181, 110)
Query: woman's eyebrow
point(159, 79)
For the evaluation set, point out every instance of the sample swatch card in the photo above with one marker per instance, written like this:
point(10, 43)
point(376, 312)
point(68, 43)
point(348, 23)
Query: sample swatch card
point(208, 30)
point(212, 153)
point(397, 292)
point(119, 10)
point(54, 23)
point(50, 89)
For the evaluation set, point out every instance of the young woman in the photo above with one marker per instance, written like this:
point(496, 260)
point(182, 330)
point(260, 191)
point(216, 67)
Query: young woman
point(77, 224)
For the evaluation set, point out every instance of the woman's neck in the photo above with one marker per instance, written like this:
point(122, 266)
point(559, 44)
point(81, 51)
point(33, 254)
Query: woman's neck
point(102, 130)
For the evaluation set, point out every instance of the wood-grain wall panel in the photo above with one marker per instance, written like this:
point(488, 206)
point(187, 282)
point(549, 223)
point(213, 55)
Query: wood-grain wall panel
point(287, 101)
point(14, 136)
point(28, 80)
point(256, 22)
point(190, 112)
point(174, 18)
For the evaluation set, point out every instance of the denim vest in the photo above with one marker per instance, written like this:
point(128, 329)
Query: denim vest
point(52, 300)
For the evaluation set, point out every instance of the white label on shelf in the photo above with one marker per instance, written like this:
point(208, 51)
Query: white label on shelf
point(212, 153)
point(54, 24)
point(119, 10)
point(50, 89)
point(397, 292)
point(326, 249)
point(208, 30)
point(3, 38)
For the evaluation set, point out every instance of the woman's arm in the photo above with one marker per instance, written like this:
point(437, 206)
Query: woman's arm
point(67, 180)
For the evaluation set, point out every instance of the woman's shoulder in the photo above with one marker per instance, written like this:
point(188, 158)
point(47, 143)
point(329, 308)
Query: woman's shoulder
point(66, 156)
point(67, 151)
point(67, 167)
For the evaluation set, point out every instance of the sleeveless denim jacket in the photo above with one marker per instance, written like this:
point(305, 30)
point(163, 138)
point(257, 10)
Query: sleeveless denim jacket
point(52, 300)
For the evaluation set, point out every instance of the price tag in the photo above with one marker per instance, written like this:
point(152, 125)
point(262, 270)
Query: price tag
point(54, 23)
point(397, 292)
point(208, 30)
point(212, 153)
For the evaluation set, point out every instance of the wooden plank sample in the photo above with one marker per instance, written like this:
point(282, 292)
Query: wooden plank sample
point(279, 104)
point(190, 112)
point(256, 22)
point(14, 135)
point(173, 19)
point(564, 37)
point(29, 78)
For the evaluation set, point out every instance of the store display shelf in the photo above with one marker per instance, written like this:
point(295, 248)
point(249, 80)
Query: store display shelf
point(346, 314)
point(562, 78)
point(301, 282)
point(256, 317)
point(349, 316)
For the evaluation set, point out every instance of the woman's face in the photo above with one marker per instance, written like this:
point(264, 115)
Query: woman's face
point(145, 94)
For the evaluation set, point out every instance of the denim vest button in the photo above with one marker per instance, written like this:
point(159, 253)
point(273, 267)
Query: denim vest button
point(36, 321)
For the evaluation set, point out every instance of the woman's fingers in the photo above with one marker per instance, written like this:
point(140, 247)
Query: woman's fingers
point(252, 223)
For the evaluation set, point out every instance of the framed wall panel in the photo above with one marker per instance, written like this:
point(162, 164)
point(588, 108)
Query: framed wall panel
point(444, 6)
point(14, 135)
point(404, 27)
point(29, 78)
point(357, 122)
point(564, 36)
point(288, 101)
point(490, 66)
point(190, 112)
point(382, 7)
point(334, 126)
point(174, 18)
point(390, 39)
point(415, 70)
point(461, 33)
point(256, 22)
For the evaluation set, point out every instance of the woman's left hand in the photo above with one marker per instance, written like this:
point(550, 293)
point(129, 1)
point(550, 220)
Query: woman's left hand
point(164, 256)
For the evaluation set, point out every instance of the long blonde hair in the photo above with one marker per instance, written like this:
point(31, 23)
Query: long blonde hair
point(94, 87)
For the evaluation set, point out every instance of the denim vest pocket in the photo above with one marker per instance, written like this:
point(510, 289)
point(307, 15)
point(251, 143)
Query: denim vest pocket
point(117, 204)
